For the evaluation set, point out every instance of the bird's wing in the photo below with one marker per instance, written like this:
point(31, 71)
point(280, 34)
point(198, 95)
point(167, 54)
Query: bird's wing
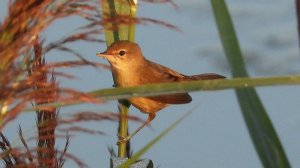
point(157, 73)
point(162, 74)
point(206, 76)
point(177, 98)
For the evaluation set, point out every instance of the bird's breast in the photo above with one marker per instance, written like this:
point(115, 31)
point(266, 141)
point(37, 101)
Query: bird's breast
point(127, 78)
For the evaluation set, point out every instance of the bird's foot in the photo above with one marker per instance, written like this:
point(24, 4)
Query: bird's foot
point(123, 139)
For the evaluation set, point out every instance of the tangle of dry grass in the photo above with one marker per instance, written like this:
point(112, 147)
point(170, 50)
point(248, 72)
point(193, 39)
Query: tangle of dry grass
point(18, 35)
point(25, 77)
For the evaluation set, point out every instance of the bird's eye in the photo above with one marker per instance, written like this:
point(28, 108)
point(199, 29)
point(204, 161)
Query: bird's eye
point(122, 53)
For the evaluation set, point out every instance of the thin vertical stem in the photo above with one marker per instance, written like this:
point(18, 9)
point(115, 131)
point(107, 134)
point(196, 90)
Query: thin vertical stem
point(123, 127)
point(113, 14)
point(133, 9)
point(112, 9)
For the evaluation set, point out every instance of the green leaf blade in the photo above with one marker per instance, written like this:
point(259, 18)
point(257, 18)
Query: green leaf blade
point(266, 141)
point(259, 125)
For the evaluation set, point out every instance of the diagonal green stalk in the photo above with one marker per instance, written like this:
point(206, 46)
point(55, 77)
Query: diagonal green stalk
point(259, 125)
point(148, 146)
point(114, 31)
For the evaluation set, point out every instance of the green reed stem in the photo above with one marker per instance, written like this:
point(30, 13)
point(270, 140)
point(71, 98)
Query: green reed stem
point(114, 31)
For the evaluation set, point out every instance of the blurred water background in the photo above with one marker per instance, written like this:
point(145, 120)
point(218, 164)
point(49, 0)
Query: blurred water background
point(214, 135)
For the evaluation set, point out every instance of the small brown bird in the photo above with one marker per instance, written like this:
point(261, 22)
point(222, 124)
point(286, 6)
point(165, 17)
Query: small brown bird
point(131, 68)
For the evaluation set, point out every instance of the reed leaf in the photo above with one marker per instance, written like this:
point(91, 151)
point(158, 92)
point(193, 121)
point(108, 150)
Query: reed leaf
point(259, 125)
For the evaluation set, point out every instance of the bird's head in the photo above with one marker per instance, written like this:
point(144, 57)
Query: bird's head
point(122, 54)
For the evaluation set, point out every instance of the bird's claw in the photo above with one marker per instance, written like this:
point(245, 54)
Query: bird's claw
point(122, 139)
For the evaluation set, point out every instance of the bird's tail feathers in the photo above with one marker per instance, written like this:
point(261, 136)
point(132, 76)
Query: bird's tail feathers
point(207, 76)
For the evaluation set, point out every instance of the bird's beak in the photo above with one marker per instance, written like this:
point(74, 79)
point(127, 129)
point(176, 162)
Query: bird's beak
point(103, 55)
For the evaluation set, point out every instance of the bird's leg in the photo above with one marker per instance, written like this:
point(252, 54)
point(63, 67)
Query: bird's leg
point(151, 116)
